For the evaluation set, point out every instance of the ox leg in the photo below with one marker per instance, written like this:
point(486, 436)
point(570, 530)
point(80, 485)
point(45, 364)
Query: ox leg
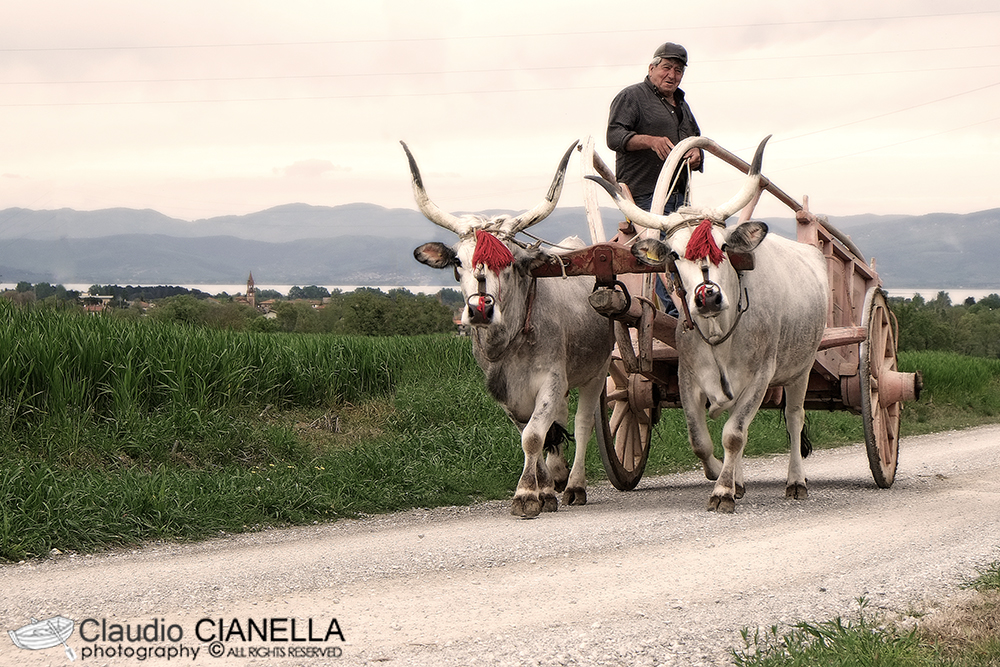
point(698, 435)
point(555, 458)
point(740, 485)
point(730, 485)
point(583, 426)
point(536, 490)
point(535, 493)
point(795, 419)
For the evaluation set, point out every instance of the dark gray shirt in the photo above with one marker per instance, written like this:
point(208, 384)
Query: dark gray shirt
point(640, 109)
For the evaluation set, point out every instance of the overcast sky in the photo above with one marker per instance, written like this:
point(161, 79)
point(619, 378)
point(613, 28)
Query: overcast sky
point(198, 108)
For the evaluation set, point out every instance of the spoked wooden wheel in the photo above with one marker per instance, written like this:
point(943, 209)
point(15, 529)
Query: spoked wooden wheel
point(881, 402)
point(625, 424)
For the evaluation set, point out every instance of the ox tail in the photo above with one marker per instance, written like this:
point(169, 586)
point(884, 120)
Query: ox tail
point(805, 443)
point(555, 438)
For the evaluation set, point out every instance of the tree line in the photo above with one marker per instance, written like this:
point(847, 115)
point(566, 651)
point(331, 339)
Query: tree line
point(310, 309)
point(971, 328)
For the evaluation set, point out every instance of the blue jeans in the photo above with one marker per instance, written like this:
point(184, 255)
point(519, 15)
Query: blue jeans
point(674, 201)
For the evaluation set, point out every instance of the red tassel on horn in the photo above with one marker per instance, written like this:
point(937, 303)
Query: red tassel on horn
point(491, 252)
point(702, 244)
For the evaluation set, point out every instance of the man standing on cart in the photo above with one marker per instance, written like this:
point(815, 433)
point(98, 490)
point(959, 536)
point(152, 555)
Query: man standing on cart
point(647, 120)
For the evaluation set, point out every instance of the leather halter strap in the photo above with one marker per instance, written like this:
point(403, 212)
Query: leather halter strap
point(690, 222)
point(525, 328)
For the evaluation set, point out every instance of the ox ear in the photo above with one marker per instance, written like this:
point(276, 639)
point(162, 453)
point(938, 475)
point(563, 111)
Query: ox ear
point(436, 255)
point(653, 252)
point(745, 238)
point(533, 259)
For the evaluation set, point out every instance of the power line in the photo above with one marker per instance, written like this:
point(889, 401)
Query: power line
point(352, 42)
point(299, 77)
point(896, 111)
point(874, 149)
point(491, 91)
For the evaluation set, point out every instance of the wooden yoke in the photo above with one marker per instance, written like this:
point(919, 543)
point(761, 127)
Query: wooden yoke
point(606, 261)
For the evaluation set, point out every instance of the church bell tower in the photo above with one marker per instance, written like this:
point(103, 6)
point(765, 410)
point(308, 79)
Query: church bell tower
point(251, 292)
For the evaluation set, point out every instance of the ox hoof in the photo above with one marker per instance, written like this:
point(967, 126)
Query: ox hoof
point(796, 491)
point(722, 504)
point(741, 490)
point(528, 507)
point(577, 496)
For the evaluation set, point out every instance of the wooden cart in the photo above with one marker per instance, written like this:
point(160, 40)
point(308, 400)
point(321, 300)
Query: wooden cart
point(855, 367)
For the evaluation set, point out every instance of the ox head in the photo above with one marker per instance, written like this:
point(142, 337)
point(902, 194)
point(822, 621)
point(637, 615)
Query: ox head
point(492, 268)
point(697, 247)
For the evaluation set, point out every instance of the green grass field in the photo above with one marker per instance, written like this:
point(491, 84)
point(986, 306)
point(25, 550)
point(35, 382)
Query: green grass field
point(118, 432)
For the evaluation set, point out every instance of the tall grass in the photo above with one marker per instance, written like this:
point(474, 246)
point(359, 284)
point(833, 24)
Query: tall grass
point(57, 362)
point(959, 391)
point(115, 432)
point(66, 380)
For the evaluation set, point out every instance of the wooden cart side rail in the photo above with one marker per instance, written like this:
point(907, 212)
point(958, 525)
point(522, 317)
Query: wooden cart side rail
point(765, 184)
point(786, 199)
point(849, 276)
point(838, 336)
point(736, 161)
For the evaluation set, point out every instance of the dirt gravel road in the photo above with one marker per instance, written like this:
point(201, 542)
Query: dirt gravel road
point(641, 578)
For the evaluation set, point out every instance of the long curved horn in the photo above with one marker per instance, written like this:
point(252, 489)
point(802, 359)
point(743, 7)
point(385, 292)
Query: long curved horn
point(750, 186)
point(429, 208)
point(639, 216)
point(673, 163)
point(665, 222)
point(542, 211)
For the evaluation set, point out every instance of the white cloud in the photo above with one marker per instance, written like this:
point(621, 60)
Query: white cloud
point(187, 106)
point(313, 168)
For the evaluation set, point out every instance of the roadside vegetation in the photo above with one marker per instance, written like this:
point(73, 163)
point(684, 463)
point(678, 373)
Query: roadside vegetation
point(122, 428)
point(967, 635)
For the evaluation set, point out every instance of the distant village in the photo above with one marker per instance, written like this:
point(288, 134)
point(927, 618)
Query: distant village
point(310, 309)
point(103, 298)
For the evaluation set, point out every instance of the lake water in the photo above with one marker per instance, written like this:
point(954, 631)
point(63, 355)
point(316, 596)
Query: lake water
point(958, 295)
point(281, 289)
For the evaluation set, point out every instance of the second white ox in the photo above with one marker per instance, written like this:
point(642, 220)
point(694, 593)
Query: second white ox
point(748, 329)
point(534, 339)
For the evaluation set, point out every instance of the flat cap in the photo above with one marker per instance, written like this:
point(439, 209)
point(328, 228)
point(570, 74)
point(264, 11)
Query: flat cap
point(673, 52)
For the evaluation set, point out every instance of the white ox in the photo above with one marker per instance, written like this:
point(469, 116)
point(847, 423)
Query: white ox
point(749, 329)
point(534, 339)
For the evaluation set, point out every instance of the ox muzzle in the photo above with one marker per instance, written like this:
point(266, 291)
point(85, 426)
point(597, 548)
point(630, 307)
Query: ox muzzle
point(480, 308)
point(708, 296)
point(480, 305)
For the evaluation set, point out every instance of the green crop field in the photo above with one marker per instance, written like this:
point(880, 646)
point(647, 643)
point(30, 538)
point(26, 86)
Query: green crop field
point(115, 432)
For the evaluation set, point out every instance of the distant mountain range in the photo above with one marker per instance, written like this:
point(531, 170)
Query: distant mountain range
point(365, 244)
